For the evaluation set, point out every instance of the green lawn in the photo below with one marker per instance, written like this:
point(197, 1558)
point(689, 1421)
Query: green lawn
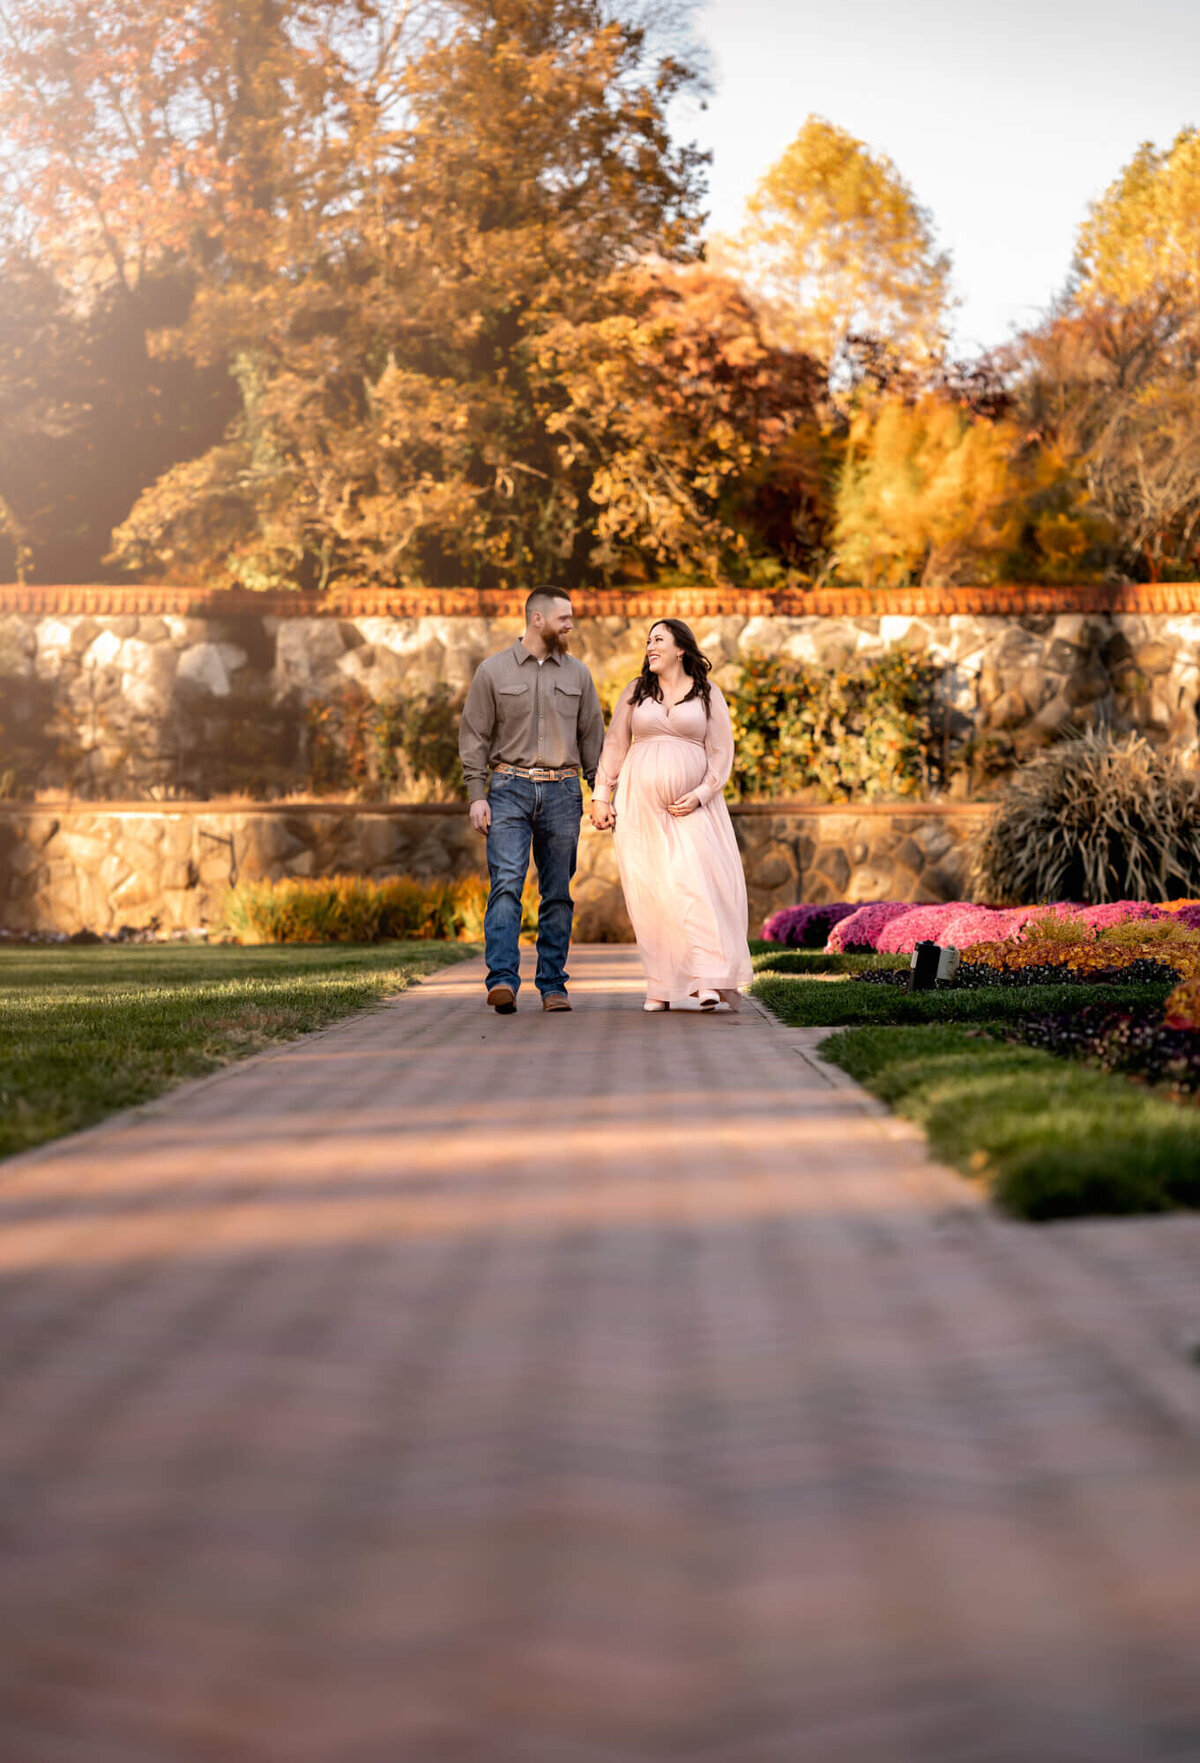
point(773, 959)
point(814, 1003)
point(1051, 1138)
point(84, 1031)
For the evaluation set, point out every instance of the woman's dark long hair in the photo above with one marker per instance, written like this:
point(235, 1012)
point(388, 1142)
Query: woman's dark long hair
point(696, 665)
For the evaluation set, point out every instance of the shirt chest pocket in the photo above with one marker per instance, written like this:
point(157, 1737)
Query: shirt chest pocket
point(513, 699)
point(566, 701)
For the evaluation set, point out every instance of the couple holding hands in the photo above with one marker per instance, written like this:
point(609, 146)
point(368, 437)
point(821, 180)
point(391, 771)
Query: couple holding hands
point(532, 722)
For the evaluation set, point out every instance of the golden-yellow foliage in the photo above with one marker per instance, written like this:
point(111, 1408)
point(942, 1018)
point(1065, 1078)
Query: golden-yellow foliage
point(836, 244)
point(932, 492)
point(1142, 238)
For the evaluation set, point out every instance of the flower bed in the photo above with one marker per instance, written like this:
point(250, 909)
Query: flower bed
point(859, 933)
point(895, 927)
point(805, 927)
point(1156, 1045)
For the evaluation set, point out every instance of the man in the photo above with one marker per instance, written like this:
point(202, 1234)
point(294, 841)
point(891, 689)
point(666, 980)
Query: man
point(533, 717)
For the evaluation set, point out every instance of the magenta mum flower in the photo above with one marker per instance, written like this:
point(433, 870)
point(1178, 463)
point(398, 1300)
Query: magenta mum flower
point(805, 927)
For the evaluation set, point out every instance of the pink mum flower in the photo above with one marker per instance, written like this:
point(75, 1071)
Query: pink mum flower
point(1121, 912)
point(859, 933)
point(918, 925)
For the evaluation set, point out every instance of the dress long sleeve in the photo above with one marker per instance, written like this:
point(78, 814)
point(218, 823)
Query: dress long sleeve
point(616, 745)
point(718, 745)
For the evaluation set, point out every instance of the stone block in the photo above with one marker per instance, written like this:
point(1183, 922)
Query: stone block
point(773, 867)
point(141, 889)
point(18, 647)
point(1087, 686)
point(210, 666)
point(306, 652)
point(910, 856)
point(179, 874)
point(23, 859)
point(55, 651)
point(1054, 714)
point(1154, 658)
point(1008, 711)
point(871, 881)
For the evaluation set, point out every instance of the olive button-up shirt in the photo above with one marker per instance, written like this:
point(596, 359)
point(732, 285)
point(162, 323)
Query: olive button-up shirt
point(520, 713)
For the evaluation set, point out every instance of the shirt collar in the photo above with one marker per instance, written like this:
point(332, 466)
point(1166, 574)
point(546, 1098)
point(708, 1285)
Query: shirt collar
point(522, 654)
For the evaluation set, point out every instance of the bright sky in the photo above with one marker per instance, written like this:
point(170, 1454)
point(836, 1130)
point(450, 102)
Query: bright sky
point(1006, 119)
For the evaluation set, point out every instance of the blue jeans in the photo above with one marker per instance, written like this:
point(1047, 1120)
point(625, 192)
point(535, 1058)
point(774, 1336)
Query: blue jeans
point(546, 816)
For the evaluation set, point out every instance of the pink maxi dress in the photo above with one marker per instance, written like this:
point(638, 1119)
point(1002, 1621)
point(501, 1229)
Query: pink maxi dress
point(682, 876)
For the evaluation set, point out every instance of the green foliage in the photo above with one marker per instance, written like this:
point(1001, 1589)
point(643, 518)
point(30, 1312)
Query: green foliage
point(402, 747)
point(866, 729)
point(1094, 819)
point(86, 1031)
point(355, 909)
point(814, 1003)
point(1051, 1139)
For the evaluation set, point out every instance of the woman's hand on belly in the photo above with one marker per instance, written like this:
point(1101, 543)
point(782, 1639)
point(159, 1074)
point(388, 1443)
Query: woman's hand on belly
point(684, 805)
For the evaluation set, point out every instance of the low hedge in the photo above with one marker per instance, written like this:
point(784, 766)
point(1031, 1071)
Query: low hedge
point(811, 1003)
point(1051, 1138)
point(802, 961)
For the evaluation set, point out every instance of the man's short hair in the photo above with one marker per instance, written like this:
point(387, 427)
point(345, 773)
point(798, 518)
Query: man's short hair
point(542, 599)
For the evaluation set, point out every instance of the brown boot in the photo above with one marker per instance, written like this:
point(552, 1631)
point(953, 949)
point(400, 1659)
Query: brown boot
point(556, 1001)
point(503, 1000)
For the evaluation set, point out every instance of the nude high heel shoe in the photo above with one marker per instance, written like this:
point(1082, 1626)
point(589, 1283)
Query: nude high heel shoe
point(653, 1004)
point(709, 1000)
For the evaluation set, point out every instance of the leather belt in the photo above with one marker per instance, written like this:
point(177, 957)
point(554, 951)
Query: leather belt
point(539, 773)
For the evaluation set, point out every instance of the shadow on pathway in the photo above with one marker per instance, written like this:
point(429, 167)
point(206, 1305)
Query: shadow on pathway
point(586, 1388)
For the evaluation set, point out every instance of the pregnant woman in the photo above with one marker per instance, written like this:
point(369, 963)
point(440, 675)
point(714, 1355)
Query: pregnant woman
point(671, 746)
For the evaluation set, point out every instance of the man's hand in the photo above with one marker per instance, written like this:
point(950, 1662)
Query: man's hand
point(603, 817)
point(481, 815)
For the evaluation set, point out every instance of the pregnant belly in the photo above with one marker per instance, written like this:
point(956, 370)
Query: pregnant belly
point(663, 770)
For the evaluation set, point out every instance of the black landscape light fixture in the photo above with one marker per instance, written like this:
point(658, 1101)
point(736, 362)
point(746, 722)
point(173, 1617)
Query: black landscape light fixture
point(931, 966)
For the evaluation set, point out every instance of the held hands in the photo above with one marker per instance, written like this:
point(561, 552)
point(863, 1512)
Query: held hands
point(685, 805)
point(480, 815)
point(603, 816)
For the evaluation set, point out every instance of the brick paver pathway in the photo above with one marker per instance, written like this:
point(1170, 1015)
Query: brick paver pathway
point(581, 1389)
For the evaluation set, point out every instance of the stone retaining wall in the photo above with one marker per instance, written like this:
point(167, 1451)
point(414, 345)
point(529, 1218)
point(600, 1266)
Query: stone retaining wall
point(95, 866)
point(116, 693)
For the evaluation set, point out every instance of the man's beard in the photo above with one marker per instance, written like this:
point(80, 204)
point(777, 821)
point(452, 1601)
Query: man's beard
point(556, 642)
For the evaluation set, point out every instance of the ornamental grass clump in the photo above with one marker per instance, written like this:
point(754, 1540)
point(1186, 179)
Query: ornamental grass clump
point(1095, 819)
point(805, 927)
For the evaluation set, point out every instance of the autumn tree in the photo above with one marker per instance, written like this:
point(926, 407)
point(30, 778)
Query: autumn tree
point(1112, 378)
point(377, 212)
point(934, 492)
point(166, 170)
point(1116, 389)
point(836, 245)
point(1141, 241)
point(691, 431)
point(87, 417)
